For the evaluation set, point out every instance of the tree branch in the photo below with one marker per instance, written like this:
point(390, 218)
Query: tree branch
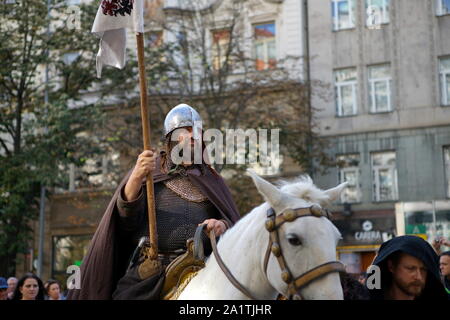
point(5, 147)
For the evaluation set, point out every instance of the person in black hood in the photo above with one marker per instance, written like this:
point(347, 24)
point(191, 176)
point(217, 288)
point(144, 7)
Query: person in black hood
point(409, 271)
point(444, 265)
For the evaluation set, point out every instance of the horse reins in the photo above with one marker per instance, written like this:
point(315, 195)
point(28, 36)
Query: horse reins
point(273, 223)
point(225, 270)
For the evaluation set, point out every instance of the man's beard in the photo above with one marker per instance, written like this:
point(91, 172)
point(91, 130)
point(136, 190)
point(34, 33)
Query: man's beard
point(411, 289)
point(192, 149)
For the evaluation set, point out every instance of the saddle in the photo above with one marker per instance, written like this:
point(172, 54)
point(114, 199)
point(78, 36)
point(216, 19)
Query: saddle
point(185, 267)
point(178, 273)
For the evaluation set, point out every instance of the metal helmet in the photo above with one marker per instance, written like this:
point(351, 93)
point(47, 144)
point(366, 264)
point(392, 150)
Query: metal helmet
point(183, 115)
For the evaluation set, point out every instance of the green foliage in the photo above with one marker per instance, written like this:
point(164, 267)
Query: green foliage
point(38, 139)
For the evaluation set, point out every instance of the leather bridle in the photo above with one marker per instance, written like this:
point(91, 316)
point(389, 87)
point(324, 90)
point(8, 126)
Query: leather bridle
point(273, 223)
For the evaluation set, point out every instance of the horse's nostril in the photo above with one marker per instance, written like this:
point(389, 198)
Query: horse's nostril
point(294, 240)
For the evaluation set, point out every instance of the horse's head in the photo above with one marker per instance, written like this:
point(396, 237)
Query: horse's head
point(306, 241)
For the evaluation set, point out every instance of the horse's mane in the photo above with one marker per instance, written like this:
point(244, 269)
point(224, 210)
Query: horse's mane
point(304, 188)
point(301, 187)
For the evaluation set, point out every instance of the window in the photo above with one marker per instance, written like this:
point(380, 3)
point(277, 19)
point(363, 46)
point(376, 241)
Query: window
point(182, 42)
point(377, 12)
point(264, 46)
point(349, 171)
point(447, 168)
point(67, 251)
point(345, 86)
point(384, 176)
point(221, 42)
point(444, 72)
point(428, 219)
point(98, 172)
point(343, 13)
point(380, 88)
point(155, 38)
point(70, 57)
point(443, 7)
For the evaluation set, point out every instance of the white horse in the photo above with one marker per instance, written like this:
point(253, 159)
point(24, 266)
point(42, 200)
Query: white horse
point(305, 244)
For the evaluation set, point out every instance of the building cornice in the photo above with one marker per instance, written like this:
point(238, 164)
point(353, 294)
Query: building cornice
point(178, 9)
point(211, 7)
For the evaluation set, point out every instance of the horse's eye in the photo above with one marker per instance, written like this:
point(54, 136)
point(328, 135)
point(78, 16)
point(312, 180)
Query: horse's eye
point(294, 239)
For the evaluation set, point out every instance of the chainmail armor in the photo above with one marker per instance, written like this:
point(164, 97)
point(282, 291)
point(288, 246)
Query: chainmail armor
point(183, 187)
point(176, 219)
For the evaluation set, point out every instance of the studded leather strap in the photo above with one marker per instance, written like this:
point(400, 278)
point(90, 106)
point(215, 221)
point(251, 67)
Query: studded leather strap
point(316, 273)
point(272, 224)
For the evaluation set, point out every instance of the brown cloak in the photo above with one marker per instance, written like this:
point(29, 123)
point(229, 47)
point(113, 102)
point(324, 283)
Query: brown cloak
point(107, 257)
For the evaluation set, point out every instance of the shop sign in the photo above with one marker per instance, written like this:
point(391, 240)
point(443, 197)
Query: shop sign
point(416, 229)
point(367, 234)
point(365, 231)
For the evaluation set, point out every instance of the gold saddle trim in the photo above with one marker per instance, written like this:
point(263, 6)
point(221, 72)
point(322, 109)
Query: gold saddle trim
point(180, 272)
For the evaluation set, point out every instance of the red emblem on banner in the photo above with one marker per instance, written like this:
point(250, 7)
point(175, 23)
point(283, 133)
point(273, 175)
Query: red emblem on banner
point(115, 7)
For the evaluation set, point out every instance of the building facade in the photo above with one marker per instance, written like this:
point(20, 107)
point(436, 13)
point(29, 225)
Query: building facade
point(386, 113)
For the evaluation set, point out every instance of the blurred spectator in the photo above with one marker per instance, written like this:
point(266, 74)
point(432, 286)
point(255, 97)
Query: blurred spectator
point(352, 288)
point(438, 242)
point(53, 290)
point(12, 282)
point(29, 287)
point(3, 289)
point(362, 278)
point(444, 266)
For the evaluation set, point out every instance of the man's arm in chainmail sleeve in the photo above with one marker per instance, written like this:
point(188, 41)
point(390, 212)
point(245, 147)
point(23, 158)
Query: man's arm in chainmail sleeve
point(130, 211)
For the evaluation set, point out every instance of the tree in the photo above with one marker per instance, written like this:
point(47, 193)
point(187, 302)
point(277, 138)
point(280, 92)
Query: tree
point(37, 139)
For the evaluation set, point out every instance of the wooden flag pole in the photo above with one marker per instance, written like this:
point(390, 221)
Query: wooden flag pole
point(147, 146)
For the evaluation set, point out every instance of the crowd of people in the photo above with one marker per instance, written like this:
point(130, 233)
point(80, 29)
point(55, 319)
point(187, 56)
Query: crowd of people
point(410, 269)
point(30, 287)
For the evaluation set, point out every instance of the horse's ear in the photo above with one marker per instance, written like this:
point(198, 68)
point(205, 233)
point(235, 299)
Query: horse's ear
point(334, 193)
point(270, 193)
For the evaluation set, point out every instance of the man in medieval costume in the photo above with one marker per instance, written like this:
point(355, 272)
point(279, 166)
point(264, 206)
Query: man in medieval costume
point(186, 195)
point(409, 271)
